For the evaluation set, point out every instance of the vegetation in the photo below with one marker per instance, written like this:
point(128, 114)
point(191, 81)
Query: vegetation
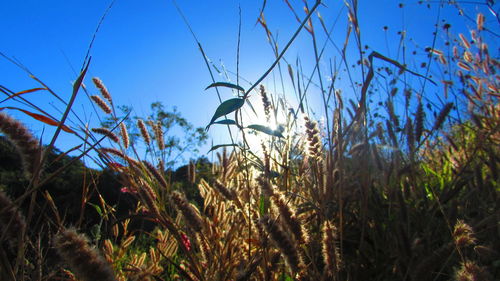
point(396, 185)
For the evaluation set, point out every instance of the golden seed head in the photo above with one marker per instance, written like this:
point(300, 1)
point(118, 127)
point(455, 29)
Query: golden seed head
point(124, 134)
point(480, 21)
point(107, 133)
point(104, 91)
point(330, 250)
point(159, 135)
point(101, 103)
point(144, 131)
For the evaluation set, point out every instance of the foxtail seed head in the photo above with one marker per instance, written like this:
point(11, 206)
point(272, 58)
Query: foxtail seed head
point(84, 261)
point(25, 142)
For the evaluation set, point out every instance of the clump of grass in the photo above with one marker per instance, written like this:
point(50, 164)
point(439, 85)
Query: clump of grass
point(370, 196)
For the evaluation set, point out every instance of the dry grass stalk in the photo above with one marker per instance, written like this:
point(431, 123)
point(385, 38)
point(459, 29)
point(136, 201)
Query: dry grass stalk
point(25, 142)
point(84, 261)
point(105, 132)
point(101, 103)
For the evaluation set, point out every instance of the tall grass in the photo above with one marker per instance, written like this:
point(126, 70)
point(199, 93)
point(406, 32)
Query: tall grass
point(405, 193)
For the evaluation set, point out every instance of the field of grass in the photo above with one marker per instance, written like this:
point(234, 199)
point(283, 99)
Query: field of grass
point(395, 184)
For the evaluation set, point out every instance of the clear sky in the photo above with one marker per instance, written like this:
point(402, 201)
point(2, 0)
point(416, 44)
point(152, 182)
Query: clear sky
point(145, 53)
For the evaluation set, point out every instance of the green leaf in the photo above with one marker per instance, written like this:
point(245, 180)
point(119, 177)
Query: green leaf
point(222, 145)
point(266, 130)
point(226, 107)
point(96, 232)
point(227, 85)
point(226, 122)
point(97, 208)
point(262, 205)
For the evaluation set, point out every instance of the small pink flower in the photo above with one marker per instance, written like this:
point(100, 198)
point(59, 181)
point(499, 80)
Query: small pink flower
point(127, 190)
point(186, 242)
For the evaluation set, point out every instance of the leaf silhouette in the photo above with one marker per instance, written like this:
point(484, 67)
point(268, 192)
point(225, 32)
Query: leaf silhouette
point(42, 118)
point(226, 122)
point(23, 92)
point(226, 107)
point(225, 84)
point(222, 145)
point(266, 130)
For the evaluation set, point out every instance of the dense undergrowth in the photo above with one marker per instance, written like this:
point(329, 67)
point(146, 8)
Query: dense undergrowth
point(400, 187)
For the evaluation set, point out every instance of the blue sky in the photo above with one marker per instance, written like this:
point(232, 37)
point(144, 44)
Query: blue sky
point(145, 53)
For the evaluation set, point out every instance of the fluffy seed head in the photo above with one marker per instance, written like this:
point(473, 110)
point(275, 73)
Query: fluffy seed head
point(480, 21)
point(331, 254)
point(159, 135)
point(287, 214)
point(156, 174)
point(463, 234)
point(283, 243)
point(124, 134)
point(144, 131)
point(25, 142)
point(84, 261)
point(313, 139)
point(265, 102)
point(104, 91)
point(105, 132)
point(465, 42)
point(469, 271)
point(223, 190)
point(101, 103)
point(188, 211)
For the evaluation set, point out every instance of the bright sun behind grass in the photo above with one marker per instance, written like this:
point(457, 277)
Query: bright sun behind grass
point(279, 120)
